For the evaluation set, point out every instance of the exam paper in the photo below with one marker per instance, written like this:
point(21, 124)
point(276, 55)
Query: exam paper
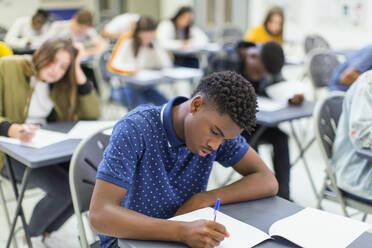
point(241, 234)
point(83, 129)
point(266, 104)
point(41, 139)
point(313, 228)
point(182, 72)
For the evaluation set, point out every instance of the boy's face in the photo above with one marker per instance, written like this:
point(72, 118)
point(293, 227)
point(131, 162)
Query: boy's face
point(254, 69)
point(206, 129)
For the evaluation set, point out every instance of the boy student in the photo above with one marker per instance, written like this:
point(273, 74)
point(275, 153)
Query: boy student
point(159, 160)
point(80, 29)
point(259, 63)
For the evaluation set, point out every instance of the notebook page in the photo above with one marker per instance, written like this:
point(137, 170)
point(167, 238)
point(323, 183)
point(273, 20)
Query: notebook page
point(41, 139)
point(315, 228)
point(242, 235)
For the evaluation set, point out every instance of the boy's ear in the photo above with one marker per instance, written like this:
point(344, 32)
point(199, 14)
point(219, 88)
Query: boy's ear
point(196, 104)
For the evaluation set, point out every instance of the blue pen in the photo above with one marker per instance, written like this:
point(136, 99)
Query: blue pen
point(216, 207)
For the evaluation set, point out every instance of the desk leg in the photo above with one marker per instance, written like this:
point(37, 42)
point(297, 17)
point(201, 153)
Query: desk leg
point(252, 143)
point(19, 210)
point(302, 151)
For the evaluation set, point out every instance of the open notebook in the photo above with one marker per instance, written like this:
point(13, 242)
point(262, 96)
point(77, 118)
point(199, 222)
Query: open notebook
point(307, 228)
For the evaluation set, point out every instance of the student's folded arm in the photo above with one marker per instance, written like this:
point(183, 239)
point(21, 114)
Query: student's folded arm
point(12, 37)
point(199, 39)
point(257, 181)
point(349, 76)
point(360, 122)
point(165, 34)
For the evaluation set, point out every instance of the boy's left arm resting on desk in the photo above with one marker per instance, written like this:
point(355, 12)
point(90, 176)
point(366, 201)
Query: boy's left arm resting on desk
point(257, 182)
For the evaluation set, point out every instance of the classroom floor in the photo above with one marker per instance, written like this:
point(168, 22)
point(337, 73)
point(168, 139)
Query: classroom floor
point(301, 192)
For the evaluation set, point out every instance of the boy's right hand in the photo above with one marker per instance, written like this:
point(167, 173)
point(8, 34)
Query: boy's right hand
point(23, 132)
point(203, 234)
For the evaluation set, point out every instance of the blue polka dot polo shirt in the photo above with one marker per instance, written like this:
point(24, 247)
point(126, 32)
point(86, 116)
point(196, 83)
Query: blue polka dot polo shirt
point(147, 158)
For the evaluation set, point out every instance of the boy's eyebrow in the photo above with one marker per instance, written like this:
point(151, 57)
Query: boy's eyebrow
point(219, 130)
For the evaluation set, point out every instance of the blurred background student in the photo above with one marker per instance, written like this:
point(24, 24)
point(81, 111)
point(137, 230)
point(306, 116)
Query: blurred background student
point(121, 24)
point(28, 31)
point(132, 54)
point(348, 72)
point(354, 131)
point(49, 86)
point(80, 29)
point(180, 33)
point(270, 30)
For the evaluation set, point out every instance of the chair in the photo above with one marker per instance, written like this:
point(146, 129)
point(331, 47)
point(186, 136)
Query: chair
point(315, 41)
point(229, 35)
point(326, 116)
point(320, 66)
point(83, 170)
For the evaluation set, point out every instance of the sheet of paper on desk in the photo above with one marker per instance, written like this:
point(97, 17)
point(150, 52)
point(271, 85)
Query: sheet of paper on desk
point(315, 228)
point(83, 129)
point(241, 234)
point(182, 72)
point(284, 90)
point(41, 139)
point(147, 75)
point(266, 104)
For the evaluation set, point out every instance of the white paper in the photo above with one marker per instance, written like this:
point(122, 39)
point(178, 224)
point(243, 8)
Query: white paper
point(266, 104)
point(148, 75)
point(41, 139)
point(241, 234)
point(182, 73)
point(84, 129)
point(287, 89)
point(315, 228)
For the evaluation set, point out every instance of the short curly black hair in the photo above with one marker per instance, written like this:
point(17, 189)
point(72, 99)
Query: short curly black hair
point(272, 57)
point(230, 93)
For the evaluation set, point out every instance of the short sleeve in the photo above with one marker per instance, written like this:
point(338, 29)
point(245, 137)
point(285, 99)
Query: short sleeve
point(363, 62)
point(122, 154)
point(232, 151)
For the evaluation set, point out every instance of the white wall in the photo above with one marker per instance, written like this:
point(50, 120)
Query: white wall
point(169, 7)
point(10, 10)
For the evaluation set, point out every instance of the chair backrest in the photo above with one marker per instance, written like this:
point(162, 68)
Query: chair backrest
point(82, 175)
point(321, 64)
point(229, 35)
point(315, 41)
point(102, 73)
point(326, 116)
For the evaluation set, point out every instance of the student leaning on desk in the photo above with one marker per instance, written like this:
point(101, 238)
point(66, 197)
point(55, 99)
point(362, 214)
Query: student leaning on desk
point(49, 86)
point(159, 159)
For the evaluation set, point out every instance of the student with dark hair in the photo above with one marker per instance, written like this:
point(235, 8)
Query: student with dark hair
point(180, 33)
point(49, 86)
point(135, 52)
point(258, 63)
point(270, 30)
point(28, 32)
point(159, 160)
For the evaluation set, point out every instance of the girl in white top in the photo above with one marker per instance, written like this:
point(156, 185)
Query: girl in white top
point(135, 52)
point(179, 33)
